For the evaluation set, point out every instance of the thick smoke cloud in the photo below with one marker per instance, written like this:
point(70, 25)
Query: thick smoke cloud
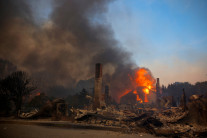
point(65, 49)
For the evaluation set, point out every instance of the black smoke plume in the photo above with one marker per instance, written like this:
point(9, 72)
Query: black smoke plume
point(63, 50)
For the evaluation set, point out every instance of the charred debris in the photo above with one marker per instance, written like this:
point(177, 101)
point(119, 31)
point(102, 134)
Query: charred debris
point(166, 116)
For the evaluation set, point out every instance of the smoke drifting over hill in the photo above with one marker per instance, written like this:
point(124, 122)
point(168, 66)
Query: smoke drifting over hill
point(65, 49)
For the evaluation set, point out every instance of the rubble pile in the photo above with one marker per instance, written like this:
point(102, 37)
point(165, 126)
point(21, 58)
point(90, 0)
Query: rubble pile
point(29, 115)
point(172, 115)
point(197, 110)
point(51, 109)
point(122, 118)
point(181, 130)
point(176, 123)
point(169, 122)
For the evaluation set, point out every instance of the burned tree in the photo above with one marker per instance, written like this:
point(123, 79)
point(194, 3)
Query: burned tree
point(183, 101)
point(5, 104)
point(18, 85)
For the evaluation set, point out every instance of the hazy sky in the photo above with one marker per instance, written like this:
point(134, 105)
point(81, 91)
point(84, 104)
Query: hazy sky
point(167, 36)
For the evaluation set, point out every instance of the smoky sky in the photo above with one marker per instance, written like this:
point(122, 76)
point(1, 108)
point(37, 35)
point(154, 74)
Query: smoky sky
point(64, 49)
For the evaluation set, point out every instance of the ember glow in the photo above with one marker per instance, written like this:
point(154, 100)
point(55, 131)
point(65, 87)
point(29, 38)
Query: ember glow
point(137, 96)
point(143, 84)
point(38, 94)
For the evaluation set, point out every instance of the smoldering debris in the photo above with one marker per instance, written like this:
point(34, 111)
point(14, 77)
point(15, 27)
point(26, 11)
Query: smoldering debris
point(168, 122)
point(55, 109)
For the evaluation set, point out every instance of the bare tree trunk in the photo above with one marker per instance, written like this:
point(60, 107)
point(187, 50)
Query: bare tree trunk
point(18, 106)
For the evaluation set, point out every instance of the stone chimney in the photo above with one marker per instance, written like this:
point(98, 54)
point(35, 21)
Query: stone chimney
point(98, 86)
point(158, 93)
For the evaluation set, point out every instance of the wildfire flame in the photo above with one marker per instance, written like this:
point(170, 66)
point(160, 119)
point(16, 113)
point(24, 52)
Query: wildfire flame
point(141, 79)
point(138, 98)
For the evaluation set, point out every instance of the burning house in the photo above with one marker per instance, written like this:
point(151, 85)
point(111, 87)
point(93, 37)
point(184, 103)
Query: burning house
point(142, 87)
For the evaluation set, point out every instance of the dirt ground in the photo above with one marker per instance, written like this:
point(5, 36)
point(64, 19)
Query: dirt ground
point(33, 131)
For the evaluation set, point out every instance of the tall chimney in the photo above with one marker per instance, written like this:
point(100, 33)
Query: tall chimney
point(158, 93)
point(158, 86)
point(98, 86)
point(107, 95)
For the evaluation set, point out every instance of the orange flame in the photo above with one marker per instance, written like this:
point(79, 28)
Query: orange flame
point(138, 99)
point(143, 79)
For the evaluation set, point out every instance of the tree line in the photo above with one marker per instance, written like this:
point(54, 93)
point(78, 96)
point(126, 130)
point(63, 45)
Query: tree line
point(175, 89)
